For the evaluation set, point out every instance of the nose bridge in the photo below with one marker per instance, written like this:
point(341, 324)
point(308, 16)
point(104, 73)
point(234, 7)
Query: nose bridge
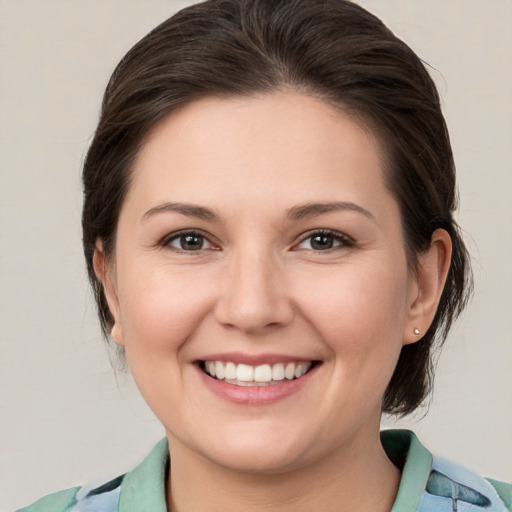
point(253, 294)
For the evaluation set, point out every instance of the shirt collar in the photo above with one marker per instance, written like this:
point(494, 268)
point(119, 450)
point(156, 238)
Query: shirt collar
point(143, 489)
point(406, 451)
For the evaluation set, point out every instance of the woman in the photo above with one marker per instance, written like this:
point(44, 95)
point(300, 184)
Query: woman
point(268, 230)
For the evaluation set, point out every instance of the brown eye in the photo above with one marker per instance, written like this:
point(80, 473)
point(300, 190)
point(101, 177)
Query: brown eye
point(188, 242)
point(324, 241)
point(191, 242)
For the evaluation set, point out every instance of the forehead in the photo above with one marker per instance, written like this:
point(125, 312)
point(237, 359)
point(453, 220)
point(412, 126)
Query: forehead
point(280, 147)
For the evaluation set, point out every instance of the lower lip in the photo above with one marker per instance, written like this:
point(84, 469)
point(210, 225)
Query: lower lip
point(256, 395)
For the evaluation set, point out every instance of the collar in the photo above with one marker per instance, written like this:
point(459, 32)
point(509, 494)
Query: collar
point(143, 489)
point(405, 450)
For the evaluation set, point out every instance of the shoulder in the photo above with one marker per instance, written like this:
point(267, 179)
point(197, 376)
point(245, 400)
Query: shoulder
point(504, 491)
point(432, 483)
point(143, 488)
point(84, 499)
point(57, 502)
point(453, 482)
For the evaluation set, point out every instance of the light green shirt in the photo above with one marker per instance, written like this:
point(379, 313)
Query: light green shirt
point(428, 484)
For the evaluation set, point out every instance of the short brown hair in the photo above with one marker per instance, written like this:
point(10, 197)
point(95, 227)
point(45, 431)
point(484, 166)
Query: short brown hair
point(331, 49)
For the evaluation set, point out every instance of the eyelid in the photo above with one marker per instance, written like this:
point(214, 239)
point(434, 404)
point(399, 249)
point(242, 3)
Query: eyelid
point(167, 239)
point(346, 241)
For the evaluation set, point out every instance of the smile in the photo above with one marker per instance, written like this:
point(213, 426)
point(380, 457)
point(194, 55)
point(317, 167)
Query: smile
point(261, 375)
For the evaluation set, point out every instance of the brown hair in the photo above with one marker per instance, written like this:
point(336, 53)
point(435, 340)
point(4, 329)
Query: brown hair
point(332, 49)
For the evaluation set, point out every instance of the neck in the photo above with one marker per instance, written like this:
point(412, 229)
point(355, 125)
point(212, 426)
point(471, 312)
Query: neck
point(357, 478)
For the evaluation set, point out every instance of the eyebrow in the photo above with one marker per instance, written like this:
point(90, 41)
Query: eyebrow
point(295, 213)
point(190, 210)
point(313, 209)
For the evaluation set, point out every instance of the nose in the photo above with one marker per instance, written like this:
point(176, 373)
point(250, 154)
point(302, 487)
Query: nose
point(254, 298)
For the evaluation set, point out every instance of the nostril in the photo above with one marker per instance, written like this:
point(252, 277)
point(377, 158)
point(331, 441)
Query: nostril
point(254, 318)
point(253, 298)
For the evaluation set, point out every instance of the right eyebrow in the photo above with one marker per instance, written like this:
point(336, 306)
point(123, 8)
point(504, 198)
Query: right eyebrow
point(188, 209)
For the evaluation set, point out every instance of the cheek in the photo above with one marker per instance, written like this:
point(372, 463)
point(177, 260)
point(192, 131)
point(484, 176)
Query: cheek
point(358, 311)
point(160, 307)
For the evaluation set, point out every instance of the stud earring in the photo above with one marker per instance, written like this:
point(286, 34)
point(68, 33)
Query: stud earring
point(416, 331)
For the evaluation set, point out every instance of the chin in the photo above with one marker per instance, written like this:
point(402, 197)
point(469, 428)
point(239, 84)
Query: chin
point(261, 461)
point(258, 451)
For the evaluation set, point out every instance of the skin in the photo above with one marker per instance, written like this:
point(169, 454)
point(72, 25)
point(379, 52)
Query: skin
point(259, 286)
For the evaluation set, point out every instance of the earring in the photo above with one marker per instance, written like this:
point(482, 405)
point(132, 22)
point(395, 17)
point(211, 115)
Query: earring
point(416, 331)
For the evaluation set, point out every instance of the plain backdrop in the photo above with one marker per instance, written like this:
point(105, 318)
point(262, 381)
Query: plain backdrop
point(65, 417)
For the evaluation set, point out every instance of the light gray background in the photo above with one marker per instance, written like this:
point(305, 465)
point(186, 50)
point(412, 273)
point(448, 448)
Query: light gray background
point(64, 419)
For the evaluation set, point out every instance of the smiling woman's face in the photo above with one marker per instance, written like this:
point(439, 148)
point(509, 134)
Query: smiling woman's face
point(258, 240)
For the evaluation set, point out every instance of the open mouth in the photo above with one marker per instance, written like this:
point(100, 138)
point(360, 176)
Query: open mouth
point(261, 375)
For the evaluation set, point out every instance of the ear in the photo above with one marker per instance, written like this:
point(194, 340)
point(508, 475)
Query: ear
point(430, 278)
point(106, 274)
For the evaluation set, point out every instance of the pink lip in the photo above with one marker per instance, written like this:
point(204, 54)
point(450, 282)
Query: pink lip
point(255, 395)
point(255, 359)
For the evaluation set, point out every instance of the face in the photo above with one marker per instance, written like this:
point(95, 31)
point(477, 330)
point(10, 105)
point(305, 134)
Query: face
point(260, 284)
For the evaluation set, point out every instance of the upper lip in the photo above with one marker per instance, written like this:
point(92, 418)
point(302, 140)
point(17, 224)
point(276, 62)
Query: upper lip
point(255, 359)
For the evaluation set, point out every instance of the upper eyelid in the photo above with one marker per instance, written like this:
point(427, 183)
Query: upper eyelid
point(320, 231)
point(345, 242)
point(192, 231)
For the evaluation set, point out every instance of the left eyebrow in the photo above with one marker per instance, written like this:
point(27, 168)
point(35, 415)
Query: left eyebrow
point(313, 209)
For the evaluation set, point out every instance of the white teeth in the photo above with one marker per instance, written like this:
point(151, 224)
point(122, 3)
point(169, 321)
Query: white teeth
point(219, 370)
point(278, 371)
point(264, 374)
point(244, 372)
point(289, 371)
point(210, 368)
point(301, 369)
point(230, 372)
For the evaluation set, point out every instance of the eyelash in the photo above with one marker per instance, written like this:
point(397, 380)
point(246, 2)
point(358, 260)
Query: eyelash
point(341, 239)
point(166, 241)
